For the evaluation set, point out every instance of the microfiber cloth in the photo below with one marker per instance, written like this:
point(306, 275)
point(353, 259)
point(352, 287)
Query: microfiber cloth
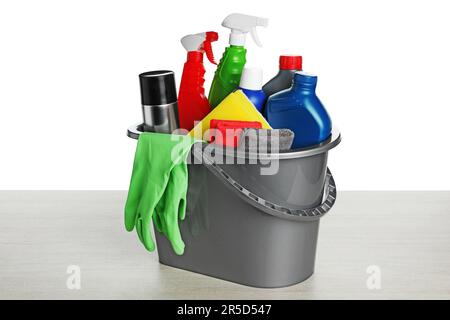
point(158, 188)
point(271, 140)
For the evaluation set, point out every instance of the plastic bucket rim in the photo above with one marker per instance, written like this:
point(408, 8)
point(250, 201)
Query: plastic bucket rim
point(334, 139)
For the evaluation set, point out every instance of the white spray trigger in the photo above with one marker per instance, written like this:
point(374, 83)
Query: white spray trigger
point(193, 42)
point(241, 24)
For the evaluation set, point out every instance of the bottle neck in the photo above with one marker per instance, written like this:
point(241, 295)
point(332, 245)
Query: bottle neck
point(307, 85)
point(237, 38)
point(287, 72)
point(195, 56)
point(236, 48)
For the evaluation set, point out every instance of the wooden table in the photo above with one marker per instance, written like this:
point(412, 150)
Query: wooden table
point(404, 235)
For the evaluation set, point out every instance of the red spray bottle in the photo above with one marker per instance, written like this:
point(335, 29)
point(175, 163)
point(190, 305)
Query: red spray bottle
point(193, 105)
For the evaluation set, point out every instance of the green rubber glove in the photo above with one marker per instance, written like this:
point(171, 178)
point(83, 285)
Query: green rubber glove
point(173, 207)
point(158, 187)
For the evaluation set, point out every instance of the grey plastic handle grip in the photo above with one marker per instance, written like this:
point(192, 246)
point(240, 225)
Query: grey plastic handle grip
point(309, 214)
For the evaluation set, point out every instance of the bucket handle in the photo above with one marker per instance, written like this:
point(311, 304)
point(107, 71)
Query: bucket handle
point(309, 214)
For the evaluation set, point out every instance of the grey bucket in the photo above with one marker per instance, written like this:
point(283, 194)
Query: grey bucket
point(253, 229)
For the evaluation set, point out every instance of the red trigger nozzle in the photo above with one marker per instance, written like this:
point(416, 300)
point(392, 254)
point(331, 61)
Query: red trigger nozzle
point(211, 36)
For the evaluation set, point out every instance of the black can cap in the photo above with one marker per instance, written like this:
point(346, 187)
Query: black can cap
point(158, 87)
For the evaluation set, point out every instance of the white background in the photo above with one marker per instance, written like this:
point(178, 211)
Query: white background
point(69, 83)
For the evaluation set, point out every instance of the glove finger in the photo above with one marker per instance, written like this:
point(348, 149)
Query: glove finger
point(179, 188)
point(138, 179)
point(145, 212)
point(150, 199)
point(161, 212)
point(146, 233)
point(156, 217)
point(139, 229)
point(172, 198)
point(173, 231)
point(174, 236)
point(131, 207)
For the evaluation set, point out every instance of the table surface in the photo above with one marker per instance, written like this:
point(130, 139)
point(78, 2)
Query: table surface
point(405, 235)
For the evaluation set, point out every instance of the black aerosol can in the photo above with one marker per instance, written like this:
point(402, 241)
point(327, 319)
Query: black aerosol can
point(159, 101)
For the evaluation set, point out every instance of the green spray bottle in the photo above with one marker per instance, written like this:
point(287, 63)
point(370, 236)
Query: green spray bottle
point(228, 73)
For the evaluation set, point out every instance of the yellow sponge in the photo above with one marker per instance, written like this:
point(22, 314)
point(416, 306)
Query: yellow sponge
point(236, 106)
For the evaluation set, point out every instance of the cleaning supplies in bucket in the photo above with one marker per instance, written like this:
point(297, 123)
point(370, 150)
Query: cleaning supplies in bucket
point(251, 85)
point(236, 106)
point(158, 188)
point(285, 193)
point(228, 73)
point(159, 101)
point(192, 102)
point(300, 110)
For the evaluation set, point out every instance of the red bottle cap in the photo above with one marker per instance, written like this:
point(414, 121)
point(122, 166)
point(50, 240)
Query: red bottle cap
point(290, 62)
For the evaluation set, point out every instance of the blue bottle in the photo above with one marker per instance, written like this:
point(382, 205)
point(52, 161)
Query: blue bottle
point(300, 110)
point(251, 86)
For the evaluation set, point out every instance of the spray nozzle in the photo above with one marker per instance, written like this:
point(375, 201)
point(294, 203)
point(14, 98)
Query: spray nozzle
point(241, 24)
point(201, 42)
